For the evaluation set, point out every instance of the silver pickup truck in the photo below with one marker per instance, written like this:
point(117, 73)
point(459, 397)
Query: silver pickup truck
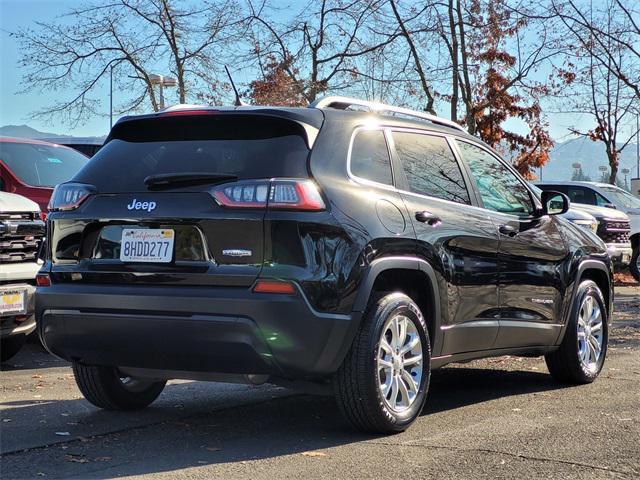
point(21, 234)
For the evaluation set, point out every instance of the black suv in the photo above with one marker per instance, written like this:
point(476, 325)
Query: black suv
point(348, 245)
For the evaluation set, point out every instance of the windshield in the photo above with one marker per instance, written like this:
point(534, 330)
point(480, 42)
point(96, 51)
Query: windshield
point(622, 198)
point(41, 165)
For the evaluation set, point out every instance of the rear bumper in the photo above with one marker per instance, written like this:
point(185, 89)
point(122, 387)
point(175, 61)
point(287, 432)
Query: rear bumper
point(11, 325)
point(191, 329)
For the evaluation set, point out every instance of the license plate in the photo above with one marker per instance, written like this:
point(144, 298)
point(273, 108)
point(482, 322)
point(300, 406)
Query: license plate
point(13, 301)
point(147, 245)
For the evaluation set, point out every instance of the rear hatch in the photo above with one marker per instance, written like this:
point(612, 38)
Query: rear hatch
point(179, 198)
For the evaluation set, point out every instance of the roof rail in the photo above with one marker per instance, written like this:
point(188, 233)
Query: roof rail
point(342, 103)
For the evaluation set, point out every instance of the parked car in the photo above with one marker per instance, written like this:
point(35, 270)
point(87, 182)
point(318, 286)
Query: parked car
point(608, 196)
point(32, 168)
point(21, 233)
point(614, 228)
point(356, 250)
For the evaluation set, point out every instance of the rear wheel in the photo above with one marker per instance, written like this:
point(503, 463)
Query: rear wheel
point(107, 388)
point(634, 266)
point(382, 384)
point(584, 347)
point(10, 346)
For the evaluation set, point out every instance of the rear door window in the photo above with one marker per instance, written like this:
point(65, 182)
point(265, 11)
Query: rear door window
point(370, 157)
point(430, 166)
point(246, 146)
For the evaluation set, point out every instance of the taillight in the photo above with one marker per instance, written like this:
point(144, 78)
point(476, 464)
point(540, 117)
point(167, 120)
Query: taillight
point(43, 280)
point(274, 286)
point(69, 196)
point(290, 194)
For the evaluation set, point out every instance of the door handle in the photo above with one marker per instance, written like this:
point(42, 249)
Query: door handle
point(428, 218)
point(508, 230)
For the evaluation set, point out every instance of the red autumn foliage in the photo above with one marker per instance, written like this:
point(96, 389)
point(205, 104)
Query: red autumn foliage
point(497, 99)
point(277, 87)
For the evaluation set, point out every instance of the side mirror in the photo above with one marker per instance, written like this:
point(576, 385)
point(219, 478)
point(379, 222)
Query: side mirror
point(554, 203)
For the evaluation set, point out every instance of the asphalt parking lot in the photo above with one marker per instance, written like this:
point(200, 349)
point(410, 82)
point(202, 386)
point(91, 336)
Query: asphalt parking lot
point(497, 418)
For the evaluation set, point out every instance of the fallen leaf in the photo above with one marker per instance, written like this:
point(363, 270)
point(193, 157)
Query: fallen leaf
point(75, 459)
point(102, 459)
point(63, 434)
point(5, 420)
point(213, 449)
point(37, 375)
point(314, 454)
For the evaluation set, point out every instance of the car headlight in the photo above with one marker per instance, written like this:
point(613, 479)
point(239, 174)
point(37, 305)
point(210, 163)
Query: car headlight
point(588, 224)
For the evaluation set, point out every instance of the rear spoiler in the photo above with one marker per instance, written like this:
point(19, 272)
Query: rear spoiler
point(310, 120)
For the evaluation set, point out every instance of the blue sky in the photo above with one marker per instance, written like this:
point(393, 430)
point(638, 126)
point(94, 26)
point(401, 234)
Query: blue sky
point(16, 108)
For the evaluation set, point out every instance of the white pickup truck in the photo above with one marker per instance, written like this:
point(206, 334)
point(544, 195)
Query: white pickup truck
point(21, 234)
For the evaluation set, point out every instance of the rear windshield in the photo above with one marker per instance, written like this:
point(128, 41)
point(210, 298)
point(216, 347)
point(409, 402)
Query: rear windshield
point(41, 165)
point(247, 146)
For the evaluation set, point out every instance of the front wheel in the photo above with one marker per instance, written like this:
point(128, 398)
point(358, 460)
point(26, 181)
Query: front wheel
point(584, 347)
point(107, 388)
point(382, 384)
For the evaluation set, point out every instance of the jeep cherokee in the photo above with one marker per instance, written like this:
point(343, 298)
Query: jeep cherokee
point(351, 245)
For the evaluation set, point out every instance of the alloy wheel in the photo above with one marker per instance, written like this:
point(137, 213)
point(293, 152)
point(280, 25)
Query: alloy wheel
point(590, 334)
point(399, 363)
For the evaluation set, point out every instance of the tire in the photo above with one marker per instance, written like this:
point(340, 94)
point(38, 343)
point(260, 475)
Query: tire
point(567, 364)
point(10, 346)
point(634, 266)
point(358, 383)
point(106, 388)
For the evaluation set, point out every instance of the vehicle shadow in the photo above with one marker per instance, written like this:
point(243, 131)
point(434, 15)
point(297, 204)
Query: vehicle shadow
point(166, 440)
point(461, 386)
point(32, 356)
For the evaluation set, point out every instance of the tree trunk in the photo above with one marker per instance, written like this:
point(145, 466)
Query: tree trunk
point(416, 59)
point(454, 64)
point(467, 94)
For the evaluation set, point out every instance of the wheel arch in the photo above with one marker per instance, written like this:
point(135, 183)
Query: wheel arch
point(414, 277)
point(599, 273)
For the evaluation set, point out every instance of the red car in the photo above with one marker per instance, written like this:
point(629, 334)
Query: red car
point(32, 168)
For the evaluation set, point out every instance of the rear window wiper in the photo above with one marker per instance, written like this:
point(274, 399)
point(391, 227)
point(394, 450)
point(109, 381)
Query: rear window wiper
point(169, 180)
